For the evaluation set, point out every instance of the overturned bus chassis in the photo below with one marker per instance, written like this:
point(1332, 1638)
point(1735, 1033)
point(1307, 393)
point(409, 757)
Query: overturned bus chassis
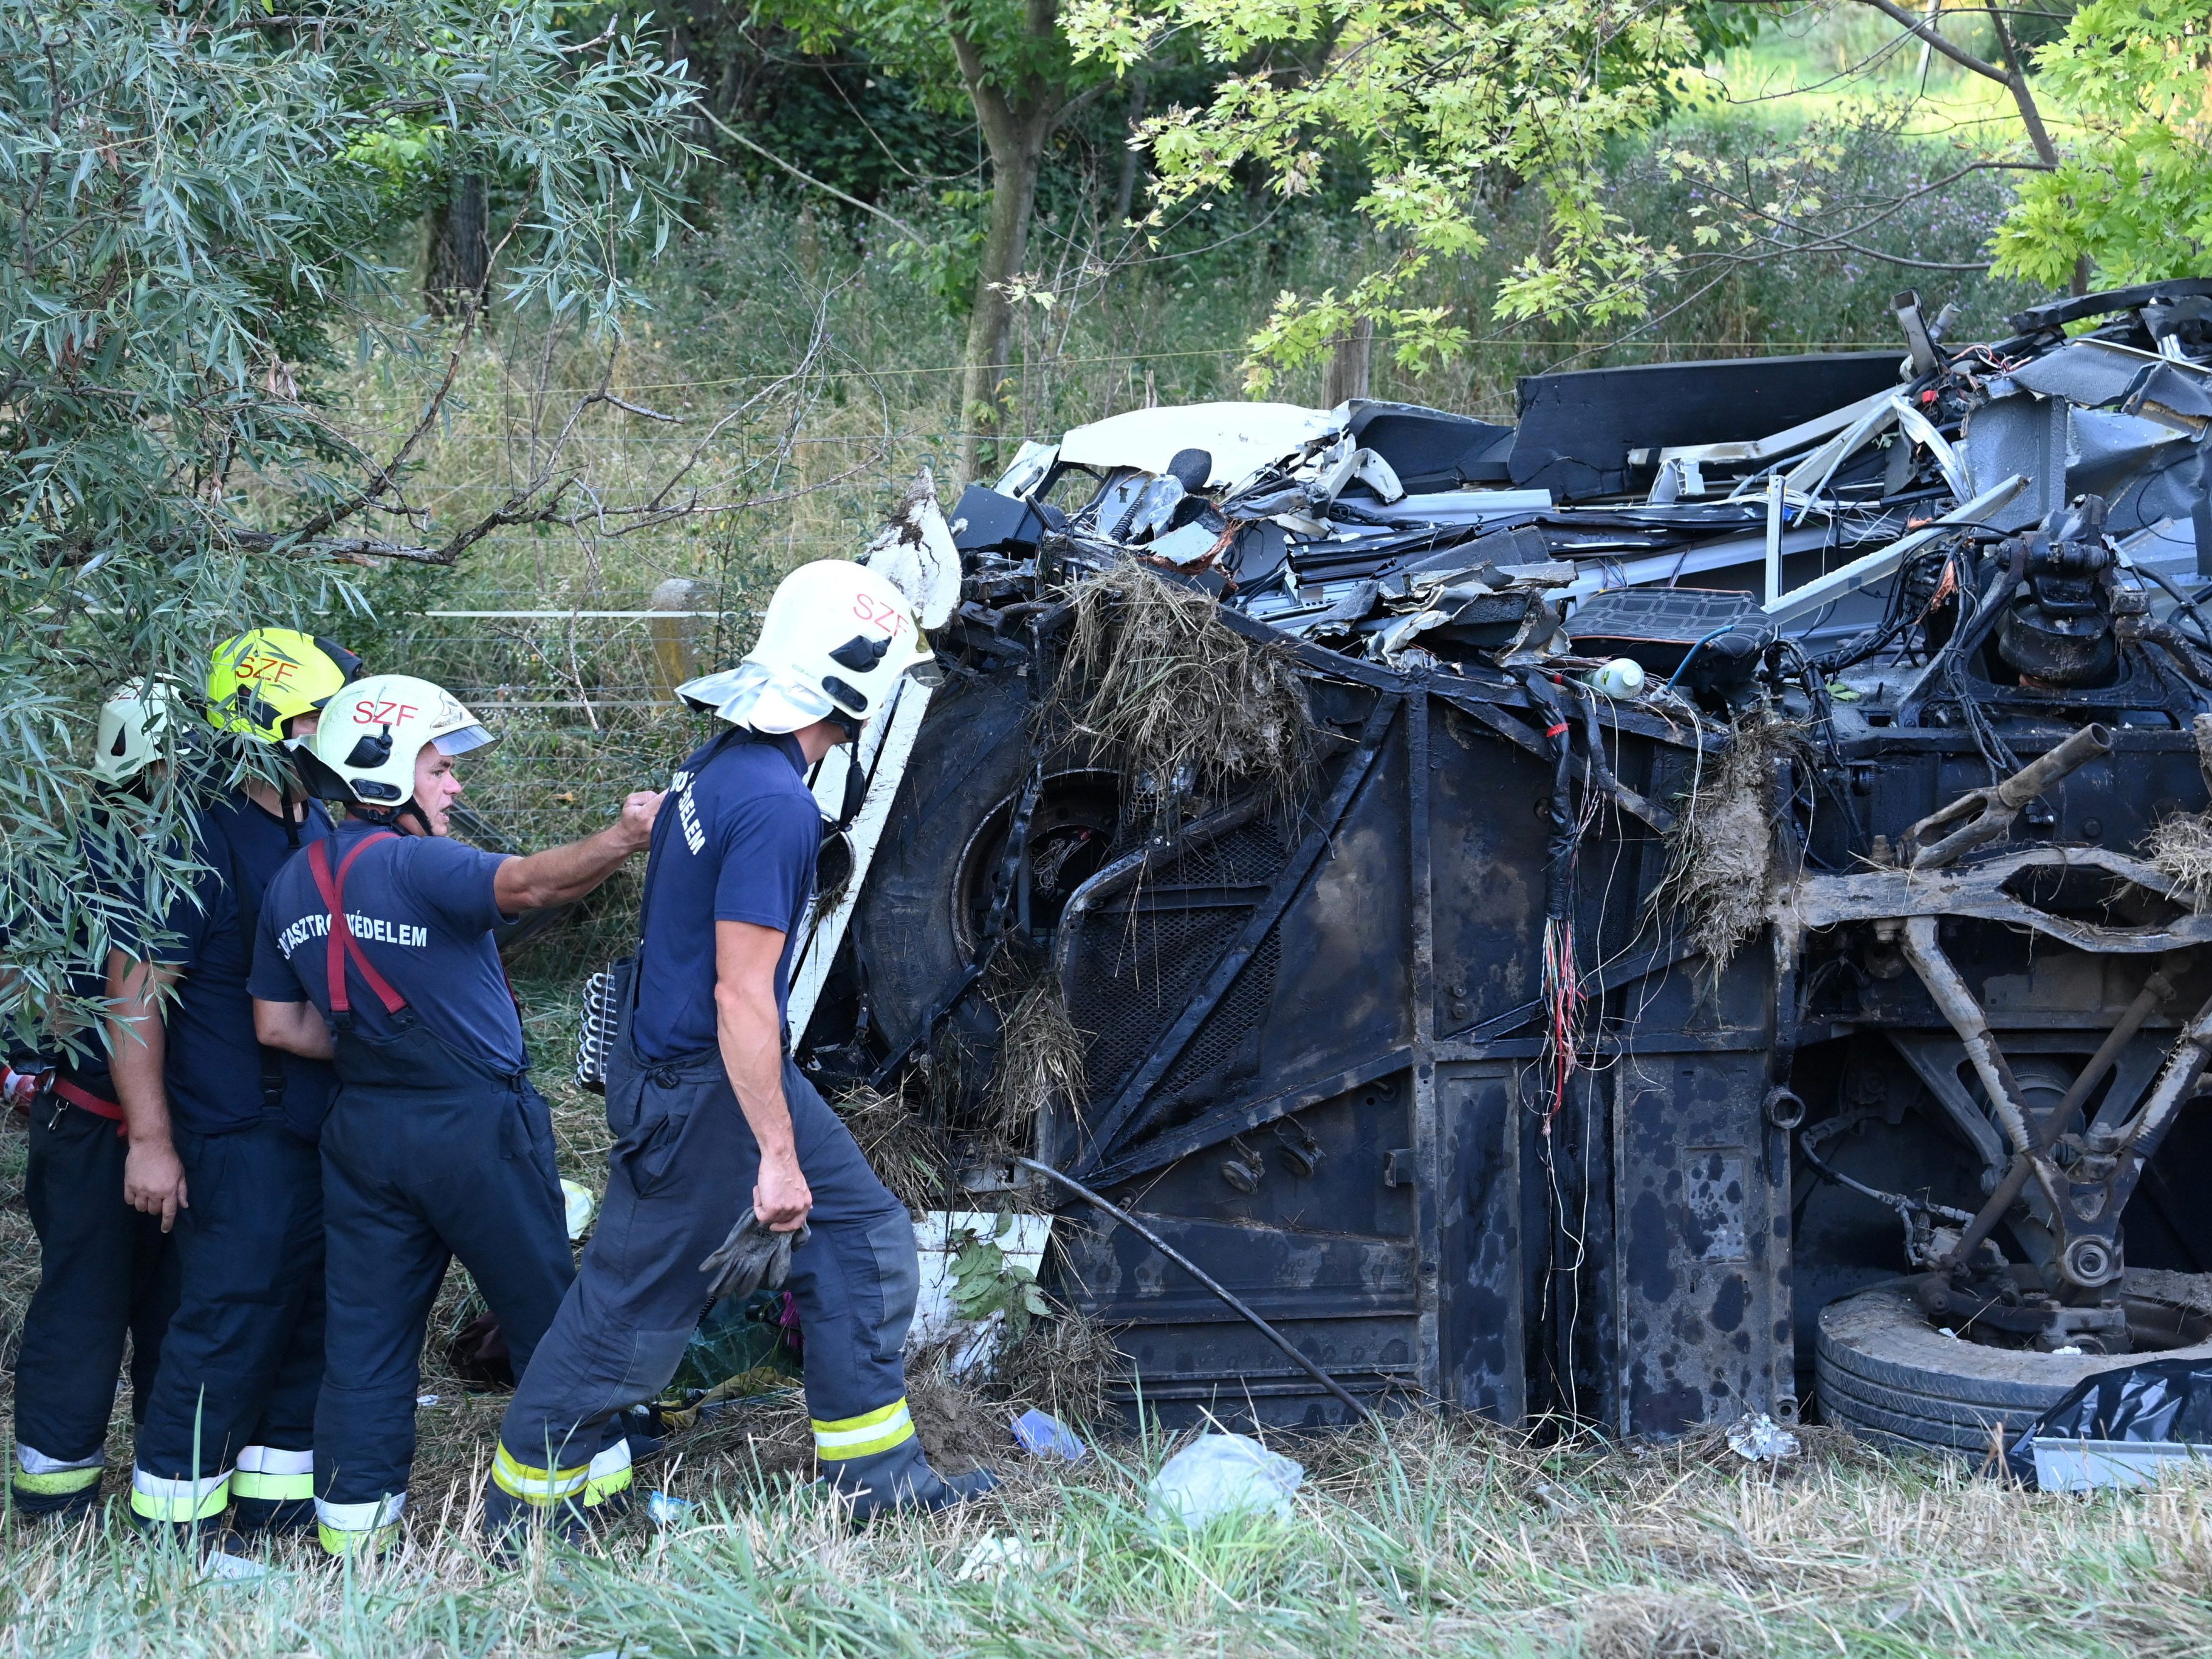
point(1822, 1018)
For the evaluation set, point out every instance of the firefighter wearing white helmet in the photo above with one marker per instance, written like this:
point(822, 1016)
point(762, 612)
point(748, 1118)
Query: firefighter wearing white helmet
point(377, 949)
point(836, 640)
point(721, 1139)
point(107, 1269)
point(135, 721)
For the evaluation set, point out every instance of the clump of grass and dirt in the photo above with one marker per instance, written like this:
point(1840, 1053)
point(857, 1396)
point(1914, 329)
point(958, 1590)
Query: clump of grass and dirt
point(1191, 707)
point(1720, 854)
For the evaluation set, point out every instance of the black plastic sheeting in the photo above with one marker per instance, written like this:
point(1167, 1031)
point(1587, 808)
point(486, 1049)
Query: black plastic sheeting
point(2161, 1400)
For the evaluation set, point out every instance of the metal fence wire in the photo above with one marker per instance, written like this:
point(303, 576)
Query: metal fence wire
point(582, 702)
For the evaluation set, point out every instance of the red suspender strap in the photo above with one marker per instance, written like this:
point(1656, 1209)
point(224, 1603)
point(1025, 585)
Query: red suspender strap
point(84, 1097)
point(342, 943)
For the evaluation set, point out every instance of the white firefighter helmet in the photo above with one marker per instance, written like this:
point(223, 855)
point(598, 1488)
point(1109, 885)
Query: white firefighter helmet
point(133, 722)
point(364, 750)
point(837, 637)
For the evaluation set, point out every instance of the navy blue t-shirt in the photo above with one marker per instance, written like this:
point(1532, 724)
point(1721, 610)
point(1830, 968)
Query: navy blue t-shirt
point(215, 1068)
point(423, 910)
point(736, 840)
point(85, 980)
point(87, 1067)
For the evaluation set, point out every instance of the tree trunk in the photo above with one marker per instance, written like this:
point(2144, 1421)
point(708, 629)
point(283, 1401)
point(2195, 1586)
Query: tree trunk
point(460, 248)
point(1016, 124)
point(1125, 187)
point(990, 325)
point(1348, 364)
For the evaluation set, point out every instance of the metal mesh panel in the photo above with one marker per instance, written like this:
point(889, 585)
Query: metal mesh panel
point(1223, 1034)
point(1137, 967)
point(1137, 973)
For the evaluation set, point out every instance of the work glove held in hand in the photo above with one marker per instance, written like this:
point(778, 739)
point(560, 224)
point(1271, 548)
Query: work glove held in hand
point(751, 1258)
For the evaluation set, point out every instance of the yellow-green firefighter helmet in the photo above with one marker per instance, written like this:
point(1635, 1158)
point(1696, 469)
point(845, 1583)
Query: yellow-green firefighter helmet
point(267, 676)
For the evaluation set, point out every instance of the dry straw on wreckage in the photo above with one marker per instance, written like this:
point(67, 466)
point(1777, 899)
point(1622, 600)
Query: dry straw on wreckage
point(1191, 707)
point(1720, 853)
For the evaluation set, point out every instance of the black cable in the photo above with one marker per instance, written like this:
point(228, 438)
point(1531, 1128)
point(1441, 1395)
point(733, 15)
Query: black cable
point(2182, 599)
point(1205, 1279)
point(2183, 649)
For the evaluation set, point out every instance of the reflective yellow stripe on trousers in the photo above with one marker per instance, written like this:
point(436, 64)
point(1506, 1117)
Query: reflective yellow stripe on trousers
point(608, 1474)
point(272, 1474)
point(346, 1529)
point(864, 1436)
point(52, 1477)
point(540, 1488)
point(178, 1502)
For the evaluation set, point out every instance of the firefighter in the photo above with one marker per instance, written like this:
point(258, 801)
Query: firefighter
point(103, 1190)
point(377, 949)
point(712, 1116)
point(232, 1416)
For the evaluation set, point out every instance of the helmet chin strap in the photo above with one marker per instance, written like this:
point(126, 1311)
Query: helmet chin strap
point(387, 817)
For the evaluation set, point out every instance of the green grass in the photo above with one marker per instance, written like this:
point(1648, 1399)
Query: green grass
point(1450, 1539)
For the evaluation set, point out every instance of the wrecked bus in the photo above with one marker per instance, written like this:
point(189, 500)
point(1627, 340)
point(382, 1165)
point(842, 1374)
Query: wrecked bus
point(1694, 902)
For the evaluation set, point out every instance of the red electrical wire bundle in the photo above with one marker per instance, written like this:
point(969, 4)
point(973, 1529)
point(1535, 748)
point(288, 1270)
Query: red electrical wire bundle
point(1563, 1013)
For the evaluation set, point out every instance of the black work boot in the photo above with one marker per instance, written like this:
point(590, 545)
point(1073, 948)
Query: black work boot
point(901, 1479)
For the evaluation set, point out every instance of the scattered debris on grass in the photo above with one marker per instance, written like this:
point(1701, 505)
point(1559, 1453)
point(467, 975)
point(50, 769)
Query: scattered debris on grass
point(1758, 1438)
point(1220, 1475)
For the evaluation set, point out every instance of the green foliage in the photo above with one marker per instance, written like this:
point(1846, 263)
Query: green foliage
point(912, 40)
point(984, 1282)
point(2133, 190)
point(1445, 104)
point(195, 201)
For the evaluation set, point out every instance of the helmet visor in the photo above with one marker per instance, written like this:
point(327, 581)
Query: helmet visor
point(462, 739)
point(753, 695)
point(927, 668)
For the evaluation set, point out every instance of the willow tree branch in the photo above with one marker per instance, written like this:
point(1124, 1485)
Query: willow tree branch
point(2030, 116)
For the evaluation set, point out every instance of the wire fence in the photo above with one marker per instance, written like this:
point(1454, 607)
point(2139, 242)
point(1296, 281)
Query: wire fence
point(567, 652)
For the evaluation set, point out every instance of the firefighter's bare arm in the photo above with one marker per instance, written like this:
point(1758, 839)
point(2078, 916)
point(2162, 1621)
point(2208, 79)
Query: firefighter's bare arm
point(137, 1043)
point(751, 1033)
point(297, 1028)
point(561, 874)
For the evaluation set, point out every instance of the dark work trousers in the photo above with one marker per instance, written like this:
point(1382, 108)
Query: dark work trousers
point(680, 1177)
point(106, 1271)
point(426, 1156)
point(244, 1361)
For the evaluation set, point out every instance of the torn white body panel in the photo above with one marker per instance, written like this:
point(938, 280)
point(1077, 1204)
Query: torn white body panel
point(914, 549)
point(937, 1238)
point(1241, 438)
point(885, 746)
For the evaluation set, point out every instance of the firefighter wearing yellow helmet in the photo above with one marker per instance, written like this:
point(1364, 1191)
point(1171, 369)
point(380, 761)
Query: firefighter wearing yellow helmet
point(264, 680)
point(224, 1129)
point(716, 1126)
point(377, 949)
